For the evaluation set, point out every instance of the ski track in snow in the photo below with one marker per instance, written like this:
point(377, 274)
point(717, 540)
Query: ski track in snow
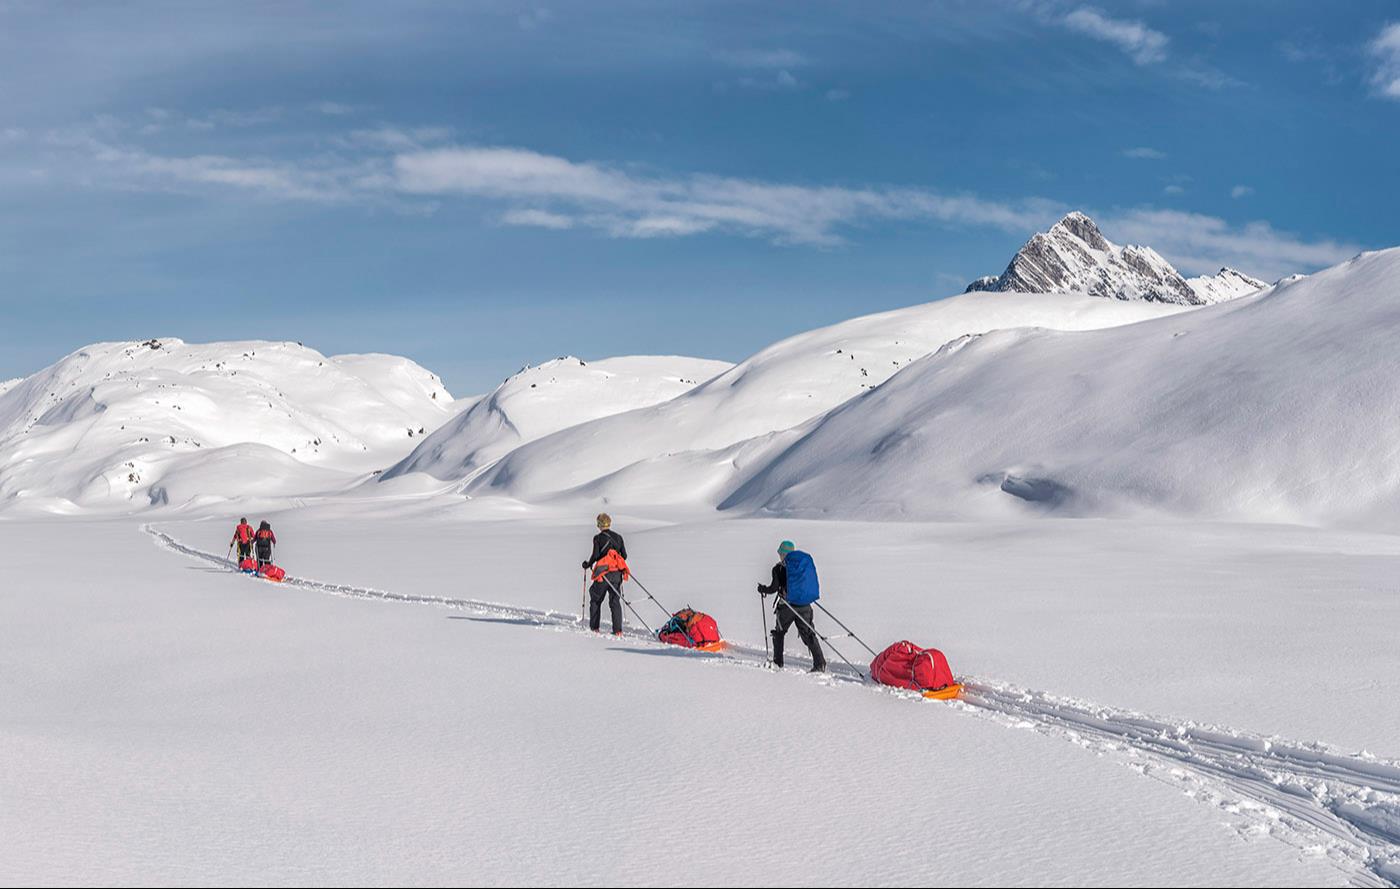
point(1323, 801)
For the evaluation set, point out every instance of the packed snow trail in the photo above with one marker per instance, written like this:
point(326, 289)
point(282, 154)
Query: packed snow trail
point(1343, 807)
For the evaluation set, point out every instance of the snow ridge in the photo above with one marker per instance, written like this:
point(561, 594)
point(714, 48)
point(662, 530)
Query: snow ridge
point(1343, 806)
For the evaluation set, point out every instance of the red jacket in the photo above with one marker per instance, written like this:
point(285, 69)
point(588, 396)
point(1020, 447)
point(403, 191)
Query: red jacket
point(243, 533)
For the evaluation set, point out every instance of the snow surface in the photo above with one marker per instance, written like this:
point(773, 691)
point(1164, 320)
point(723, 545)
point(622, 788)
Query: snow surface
point(693, 447)
point(163, 422)
point(1279, 407)
point(186, 724)
point(540, 400)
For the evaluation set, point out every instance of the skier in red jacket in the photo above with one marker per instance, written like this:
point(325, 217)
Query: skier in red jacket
point(243, 539)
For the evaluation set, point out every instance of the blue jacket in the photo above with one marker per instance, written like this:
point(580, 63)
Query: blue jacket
point(802, 585)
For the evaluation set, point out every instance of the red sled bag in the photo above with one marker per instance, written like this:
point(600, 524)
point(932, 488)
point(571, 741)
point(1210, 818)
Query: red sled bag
point(248, 565)
point(689, 628)
point(906, 665)
point(272, 572)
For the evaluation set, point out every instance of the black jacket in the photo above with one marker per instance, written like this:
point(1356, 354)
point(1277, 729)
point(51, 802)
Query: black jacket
point(604, 541)
point(779, 584)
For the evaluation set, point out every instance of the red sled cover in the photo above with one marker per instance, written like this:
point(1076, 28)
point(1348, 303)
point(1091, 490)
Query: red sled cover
point(272, 572)
point(690, 629)
point(247, 565)
point(906, 665)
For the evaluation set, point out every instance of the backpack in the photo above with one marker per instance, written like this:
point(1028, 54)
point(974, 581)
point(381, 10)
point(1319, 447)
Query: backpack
point(802, 585)
point(272, 572)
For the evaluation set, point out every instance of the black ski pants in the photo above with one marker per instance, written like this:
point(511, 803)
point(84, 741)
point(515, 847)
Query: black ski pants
point(596, 594)
point(785, 619)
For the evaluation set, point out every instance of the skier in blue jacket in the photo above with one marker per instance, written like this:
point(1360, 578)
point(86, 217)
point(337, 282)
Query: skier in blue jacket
point(795, 585)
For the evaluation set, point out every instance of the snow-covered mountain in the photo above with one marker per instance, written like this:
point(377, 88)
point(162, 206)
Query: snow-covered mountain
point(1224, 285)
point(1277, 407)
point(690, 447)
point(126, 425)
point(1075, 257)
point(540, 400)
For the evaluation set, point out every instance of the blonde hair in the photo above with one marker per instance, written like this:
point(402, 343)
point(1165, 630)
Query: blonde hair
point(604, 521)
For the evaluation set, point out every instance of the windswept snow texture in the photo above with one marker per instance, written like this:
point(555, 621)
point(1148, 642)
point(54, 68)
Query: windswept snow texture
point(544, 399)
point(124, 426)
point(1280, 407)
point(693, 447)
point(1074, 256)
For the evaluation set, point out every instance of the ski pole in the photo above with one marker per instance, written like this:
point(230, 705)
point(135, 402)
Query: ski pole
point(763, 609)
point(668, 611)
point(229, 558)
point(583, 604)
point(849, 631)
point(609, 582)
point(804, 623)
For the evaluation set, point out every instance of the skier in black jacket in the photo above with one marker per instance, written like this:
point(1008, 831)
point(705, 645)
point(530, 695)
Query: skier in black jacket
point(786, 613)
point(606, 582)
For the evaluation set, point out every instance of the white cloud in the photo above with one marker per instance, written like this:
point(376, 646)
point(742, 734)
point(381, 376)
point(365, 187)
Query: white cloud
point(1241, 191)
point(1197, 243)
point(530, 188)
point(762, 58)
point(628, 205)
point(1144, 153)
point(1385, 50)
point(537, 219)
point(1142, 43)
point(837, 95)
point(1173, 190)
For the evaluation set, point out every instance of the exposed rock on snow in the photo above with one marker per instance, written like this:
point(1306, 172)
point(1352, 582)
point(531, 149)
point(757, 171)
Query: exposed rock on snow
point(1074, 256)
point(162, 422)
point(540, 400)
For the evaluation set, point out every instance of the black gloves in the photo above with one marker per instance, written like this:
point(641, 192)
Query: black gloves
point(585, 563)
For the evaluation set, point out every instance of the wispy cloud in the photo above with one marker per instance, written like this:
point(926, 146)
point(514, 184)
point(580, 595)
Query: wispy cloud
point(1145, 153)
point(531, 19)
point(837, 95)
point(1385, 53)
point(416, 169)
point(624, 204)
point(1173, 190)
point(537, 219)
point(1241, 191)
point(1143, 44)
point(762, 58)
point(1197, 243)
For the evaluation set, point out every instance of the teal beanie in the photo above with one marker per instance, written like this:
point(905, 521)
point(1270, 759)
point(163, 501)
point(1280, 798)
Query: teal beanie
point(786, 547)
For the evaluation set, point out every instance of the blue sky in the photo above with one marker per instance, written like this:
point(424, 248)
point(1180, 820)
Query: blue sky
point(484, 185)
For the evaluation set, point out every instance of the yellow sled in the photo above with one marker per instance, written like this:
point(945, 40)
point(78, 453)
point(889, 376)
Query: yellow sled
point(946, 693)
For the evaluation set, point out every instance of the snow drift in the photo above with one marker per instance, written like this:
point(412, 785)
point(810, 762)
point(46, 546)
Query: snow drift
point(162, 422)
point(1277, 407)
point(691, 447)
point(540, 400)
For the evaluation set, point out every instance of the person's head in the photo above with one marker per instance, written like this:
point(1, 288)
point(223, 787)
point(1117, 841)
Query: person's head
point(785, 547)
point(264, 526)
point(243, 521)
point(604, 521)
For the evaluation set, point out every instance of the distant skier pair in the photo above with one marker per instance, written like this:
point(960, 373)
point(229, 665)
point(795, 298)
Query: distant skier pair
point(247, 540)
point(794, 583)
